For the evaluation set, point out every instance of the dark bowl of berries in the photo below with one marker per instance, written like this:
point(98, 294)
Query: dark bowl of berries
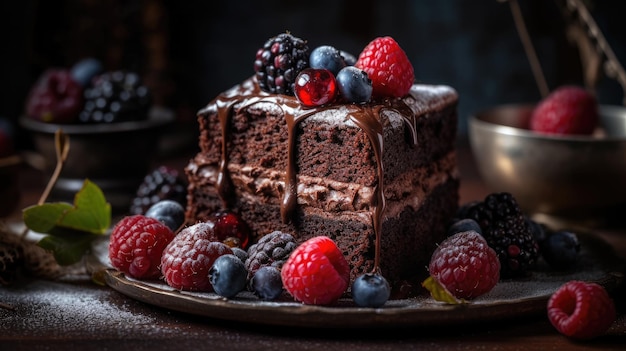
point(564, 156)
point(114, 129)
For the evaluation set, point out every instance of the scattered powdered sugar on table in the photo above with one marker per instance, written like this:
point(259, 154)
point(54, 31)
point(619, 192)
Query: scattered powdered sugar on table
point(71, 307)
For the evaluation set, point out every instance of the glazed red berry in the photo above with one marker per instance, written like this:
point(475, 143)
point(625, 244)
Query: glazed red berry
point(136, 245)
point(316, 272)
point(187, 259)
point(231, 229)
point(388, 66)
point(315, 87)
point(567, 110)
point(465, 265)
point(581, 310)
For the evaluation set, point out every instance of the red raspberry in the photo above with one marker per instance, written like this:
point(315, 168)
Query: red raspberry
point(567, 110)
point(581, 310)
point(387, 66)
point(465, 265)
point(316, 272)
point(55, 98)
point(136, 245)
point(186, 261)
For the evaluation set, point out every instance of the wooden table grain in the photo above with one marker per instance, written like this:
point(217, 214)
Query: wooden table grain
point(76, 314)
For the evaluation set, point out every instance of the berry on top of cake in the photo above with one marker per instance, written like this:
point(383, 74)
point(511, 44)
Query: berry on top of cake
point(319, 143)
point(387, 66)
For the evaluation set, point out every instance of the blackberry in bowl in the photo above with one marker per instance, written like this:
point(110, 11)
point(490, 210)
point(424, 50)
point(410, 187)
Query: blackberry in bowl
point(118, 96)
point(114, 136)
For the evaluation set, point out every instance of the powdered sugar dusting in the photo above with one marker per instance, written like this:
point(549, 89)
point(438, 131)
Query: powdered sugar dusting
point(431, 97)
point(66, 308)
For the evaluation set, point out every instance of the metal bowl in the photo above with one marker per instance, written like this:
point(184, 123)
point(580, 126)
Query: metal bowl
point(115, 156)
point(555, 175)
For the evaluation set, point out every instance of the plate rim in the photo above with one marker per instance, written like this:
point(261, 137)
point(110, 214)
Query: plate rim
point(410, 312)
point(292, 314)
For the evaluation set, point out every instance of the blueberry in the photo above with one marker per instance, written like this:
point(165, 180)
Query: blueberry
point(241, 253)
point(84, 70)
point(228, 275)
point(354, 84)
point(464, 210)
point(464, 225)
point(560, 250)
point(348, 58)
point(538, 230)
point(326, 57)
point(266, 283)
point(370, 290)
point(168, 212)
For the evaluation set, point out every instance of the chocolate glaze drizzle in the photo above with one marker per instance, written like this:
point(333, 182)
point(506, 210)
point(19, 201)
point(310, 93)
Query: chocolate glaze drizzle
point(366, 116)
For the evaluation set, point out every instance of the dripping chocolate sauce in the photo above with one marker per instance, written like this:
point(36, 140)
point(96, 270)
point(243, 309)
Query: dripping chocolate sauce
point(366, 117)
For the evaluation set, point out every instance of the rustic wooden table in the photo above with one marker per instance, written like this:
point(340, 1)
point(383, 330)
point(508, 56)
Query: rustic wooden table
point(76, 314)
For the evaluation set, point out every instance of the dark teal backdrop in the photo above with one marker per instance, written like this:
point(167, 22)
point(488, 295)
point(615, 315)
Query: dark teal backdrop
point(471, 45)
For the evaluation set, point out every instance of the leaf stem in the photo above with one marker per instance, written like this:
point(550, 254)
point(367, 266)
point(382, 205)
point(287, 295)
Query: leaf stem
point(518, 18)
point(62, 147)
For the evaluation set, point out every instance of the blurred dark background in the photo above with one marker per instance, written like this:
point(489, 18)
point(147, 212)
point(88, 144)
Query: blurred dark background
point(189, 51)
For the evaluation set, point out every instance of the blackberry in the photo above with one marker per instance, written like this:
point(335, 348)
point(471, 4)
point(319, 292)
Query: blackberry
point(279, 61)
point(506, 230)
point(117, 96)
point(163, 183)
point(240, 253)
point(272, 249)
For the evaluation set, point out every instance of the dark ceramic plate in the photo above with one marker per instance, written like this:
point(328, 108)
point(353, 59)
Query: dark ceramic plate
point(508, 299)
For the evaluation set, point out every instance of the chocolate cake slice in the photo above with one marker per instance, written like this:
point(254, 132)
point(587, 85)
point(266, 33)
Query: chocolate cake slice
point(379, 178)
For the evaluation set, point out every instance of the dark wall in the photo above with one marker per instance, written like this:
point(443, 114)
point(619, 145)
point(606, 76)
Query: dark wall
point(189, 51)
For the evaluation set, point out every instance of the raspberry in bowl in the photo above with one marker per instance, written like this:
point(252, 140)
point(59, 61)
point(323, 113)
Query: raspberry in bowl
point(113, 128)
point(558, 156)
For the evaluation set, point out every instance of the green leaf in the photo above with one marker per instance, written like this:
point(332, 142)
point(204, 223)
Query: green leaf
point(71, 228)
point(91, 212)
point(68, 249)
point(42, 218)
point(439, 292)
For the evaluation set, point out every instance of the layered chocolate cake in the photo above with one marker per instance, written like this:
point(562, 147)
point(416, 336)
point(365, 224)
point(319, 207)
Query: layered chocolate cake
point(378, 177)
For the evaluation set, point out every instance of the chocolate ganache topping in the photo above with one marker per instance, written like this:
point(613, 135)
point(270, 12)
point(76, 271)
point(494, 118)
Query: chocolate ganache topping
point(367, 116)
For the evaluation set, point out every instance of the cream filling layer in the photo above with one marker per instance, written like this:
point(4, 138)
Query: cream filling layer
point(321, 195)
